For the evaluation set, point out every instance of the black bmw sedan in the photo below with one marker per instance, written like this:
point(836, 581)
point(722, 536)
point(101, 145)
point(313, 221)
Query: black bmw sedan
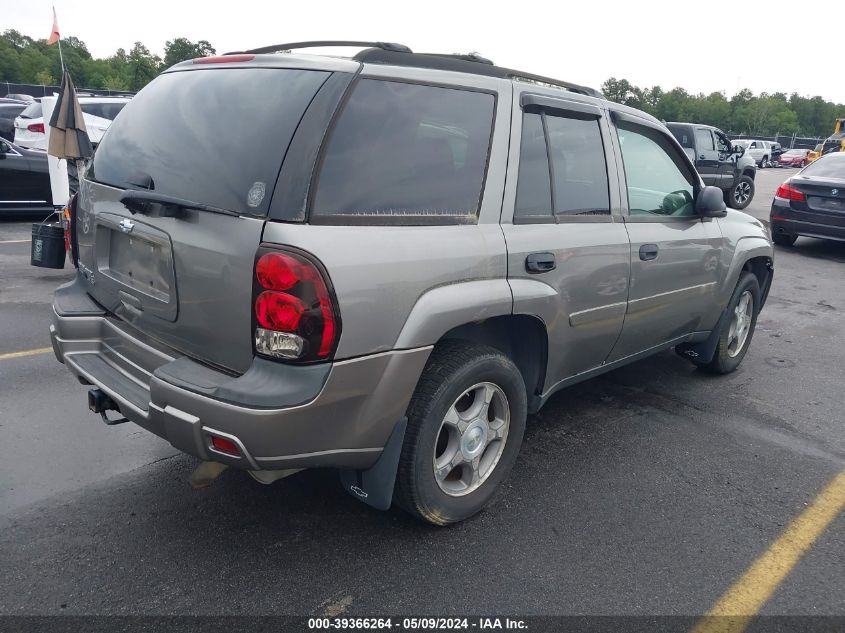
point(24, 180)
point(812, 202)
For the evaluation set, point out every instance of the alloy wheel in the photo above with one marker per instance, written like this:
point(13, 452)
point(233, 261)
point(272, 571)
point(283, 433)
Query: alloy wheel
point(471, 439)
point(740, 324)
point(742, 192)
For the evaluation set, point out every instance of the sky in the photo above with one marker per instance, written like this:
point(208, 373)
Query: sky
point(705, 46)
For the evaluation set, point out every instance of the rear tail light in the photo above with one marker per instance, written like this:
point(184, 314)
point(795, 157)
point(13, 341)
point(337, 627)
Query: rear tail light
point(789, 192)
point(36, 127)
point(294, 311)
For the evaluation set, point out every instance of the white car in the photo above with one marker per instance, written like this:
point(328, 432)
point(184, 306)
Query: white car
point(98, 113)
point(760, 151)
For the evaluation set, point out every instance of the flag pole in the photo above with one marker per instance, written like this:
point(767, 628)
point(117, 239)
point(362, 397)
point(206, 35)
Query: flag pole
point(59, 42)
point(61, 58)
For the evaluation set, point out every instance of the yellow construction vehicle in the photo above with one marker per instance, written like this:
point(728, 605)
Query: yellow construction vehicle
point(834, 143)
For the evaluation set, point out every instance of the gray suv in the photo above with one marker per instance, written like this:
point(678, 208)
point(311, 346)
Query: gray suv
point(382, 264)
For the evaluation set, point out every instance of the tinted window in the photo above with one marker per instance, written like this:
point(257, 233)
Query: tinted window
point(683, 135)
point(10, 111)
point(658, 183)
point(103, 110)
point(578, 166)
point(406, 153)
point(32, 111)
point(533, 189)
point(187, 134)
point(704, 139)
point(828, 166)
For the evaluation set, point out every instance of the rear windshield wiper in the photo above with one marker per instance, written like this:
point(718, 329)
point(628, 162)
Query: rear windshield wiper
point(144, 201)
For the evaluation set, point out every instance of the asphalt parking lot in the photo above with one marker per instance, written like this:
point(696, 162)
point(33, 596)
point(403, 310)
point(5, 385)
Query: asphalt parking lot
point(647, 491)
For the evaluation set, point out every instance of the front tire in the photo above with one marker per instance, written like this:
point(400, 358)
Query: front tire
point(738, 328)
point(741, 194)
point(466, 420)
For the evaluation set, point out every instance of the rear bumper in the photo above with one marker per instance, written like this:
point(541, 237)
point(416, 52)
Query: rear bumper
point(281, 416)
point(794, 222)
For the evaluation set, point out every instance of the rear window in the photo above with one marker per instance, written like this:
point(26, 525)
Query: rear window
point(830, 166)
point(683, 135)
point(217, 137)
point(103, 110)
point(32, 111)
point(10, 111)
point(405, 153)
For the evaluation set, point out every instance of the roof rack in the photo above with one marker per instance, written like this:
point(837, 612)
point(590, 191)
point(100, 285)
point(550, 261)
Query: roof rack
point(387, 46)
point(400, 55)
point(472, 63)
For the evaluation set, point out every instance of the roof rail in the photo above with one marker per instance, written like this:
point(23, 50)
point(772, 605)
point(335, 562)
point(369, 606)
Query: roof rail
point(472, 63)
point(386, 46)
point(400, 55)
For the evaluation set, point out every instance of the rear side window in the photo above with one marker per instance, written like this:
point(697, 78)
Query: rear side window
point(215, 136)
point(579, 168)
point(534, 188)
point(683, 135)
point(562, 168)
point(403, 153)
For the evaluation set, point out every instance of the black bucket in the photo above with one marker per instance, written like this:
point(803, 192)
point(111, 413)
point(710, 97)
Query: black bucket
point(48, 246)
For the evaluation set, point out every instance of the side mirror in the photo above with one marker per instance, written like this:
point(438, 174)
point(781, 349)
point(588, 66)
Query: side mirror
point(4, 149)
point(710, 203)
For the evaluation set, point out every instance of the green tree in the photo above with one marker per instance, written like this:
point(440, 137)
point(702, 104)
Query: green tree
point(182, 49)
point(142, 66)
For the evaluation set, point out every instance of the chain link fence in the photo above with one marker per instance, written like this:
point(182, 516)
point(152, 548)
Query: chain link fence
point(38, 90)
point(786, 141)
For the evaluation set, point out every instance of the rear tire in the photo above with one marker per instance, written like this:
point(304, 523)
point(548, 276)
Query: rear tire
point(738, 328)
point(741, 194)
point(784, 239)
point(457, 451)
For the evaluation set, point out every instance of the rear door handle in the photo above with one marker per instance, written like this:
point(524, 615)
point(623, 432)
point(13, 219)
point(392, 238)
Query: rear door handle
point(648, 252)
point(540, 262)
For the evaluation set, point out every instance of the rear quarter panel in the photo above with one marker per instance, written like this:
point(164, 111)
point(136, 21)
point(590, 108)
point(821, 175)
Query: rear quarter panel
point(406, 286)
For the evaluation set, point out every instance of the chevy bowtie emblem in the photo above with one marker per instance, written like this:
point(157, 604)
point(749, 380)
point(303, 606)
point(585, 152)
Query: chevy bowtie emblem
point(126, 225)
point(834, 192)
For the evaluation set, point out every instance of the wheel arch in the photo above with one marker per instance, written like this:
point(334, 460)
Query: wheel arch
point(521, 337)
point(762, 267)
point(753, 254)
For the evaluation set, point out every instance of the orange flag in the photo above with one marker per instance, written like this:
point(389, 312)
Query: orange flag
point(54, 34)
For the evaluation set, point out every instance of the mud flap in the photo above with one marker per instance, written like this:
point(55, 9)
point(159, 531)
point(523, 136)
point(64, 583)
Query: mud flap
point(702, 353)
point(375, 485)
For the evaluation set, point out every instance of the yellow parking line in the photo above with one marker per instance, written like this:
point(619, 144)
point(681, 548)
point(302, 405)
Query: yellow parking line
point(734, 610)
point(13, 241)
point(26, 352)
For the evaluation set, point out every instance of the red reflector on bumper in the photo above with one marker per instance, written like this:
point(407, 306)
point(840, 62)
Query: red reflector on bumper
point(225, 446)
